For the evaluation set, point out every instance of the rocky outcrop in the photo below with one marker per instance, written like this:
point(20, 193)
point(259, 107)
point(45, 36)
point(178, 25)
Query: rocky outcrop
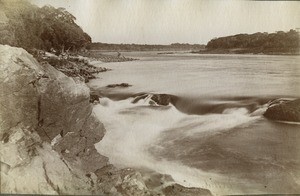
point(38, 104)
point(48, 131)
point(72, 66)
point(284, 110)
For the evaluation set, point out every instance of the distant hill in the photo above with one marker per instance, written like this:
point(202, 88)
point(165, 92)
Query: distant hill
point(28, 26)
point(145, 47)
point(273, 43)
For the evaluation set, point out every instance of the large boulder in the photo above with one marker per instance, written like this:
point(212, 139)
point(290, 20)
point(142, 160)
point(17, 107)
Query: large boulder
point(161, 99)
point(284, 110)
point(39, 106)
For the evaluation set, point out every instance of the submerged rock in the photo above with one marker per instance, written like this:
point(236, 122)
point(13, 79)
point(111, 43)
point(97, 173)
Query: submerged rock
point(123, 85)
point(284, 110)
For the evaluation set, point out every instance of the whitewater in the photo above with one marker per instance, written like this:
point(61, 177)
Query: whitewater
point(213, 134)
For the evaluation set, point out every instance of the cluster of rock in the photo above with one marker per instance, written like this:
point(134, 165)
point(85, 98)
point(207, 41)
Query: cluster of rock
point(48, 131)
point(108, 59)
point(73, 66)
point(98, 56)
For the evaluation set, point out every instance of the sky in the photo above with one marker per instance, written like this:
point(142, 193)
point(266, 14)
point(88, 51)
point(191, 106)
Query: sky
point(177, 21)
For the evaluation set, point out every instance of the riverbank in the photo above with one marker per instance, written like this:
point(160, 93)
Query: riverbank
point(243, 51)
point(78, 65)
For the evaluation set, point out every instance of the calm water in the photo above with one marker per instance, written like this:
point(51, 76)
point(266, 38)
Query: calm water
point(214, 135)
point(208, 75)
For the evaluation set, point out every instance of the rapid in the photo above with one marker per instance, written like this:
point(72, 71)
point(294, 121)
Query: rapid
point(212, 134)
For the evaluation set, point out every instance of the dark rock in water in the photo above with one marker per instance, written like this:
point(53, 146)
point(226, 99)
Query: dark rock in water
point(161, 99)
point(284, 110)
point(94, 98)
point(123, 85)
point(178, 190)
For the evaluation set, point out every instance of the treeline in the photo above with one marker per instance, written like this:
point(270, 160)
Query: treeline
point(28, 26)
point(144, 47)
point(273, 43)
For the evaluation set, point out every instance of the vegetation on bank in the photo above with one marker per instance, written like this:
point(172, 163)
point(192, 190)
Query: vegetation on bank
point(54, 29)
point(50, 29)
point(257, 43)
point(28, 26)
point(273, 43)
point(144, 47)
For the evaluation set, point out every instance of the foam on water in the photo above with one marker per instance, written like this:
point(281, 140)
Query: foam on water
point(216, 123)
point(133, 127)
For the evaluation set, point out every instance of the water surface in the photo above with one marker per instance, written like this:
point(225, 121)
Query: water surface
point(213, 135)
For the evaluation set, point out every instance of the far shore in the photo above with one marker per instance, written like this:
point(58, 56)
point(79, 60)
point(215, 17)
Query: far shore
point(243, 51)
point(204, 51)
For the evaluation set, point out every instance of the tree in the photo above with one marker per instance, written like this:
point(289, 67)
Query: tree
point(280, 42)
point(41, 28)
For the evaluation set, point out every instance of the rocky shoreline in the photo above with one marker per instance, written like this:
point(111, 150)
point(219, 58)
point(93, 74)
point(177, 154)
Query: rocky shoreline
point(98, 56)
point(70, 65)
point(48, 132)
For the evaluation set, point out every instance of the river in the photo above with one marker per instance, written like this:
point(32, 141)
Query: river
point(213, 135)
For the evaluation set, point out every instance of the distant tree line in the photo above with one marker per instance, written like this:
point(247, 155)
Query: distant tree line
point(279, 42)
point(144, 47)
point(28, 26)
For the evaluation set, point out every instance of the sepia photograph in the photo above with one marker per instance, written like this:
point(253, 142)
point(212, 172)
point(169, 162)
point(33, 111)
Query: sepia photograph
point(150, 97)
